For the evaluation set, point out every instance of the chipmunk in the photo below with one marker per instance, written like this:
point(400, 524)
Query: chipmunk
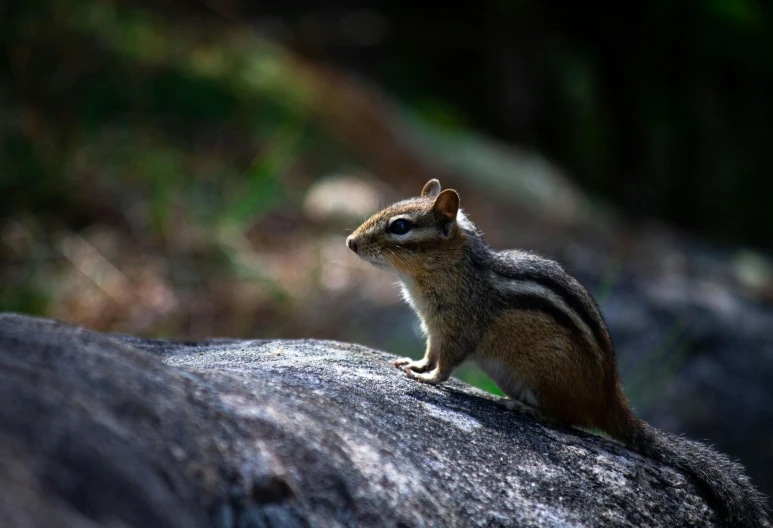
point(533, 329)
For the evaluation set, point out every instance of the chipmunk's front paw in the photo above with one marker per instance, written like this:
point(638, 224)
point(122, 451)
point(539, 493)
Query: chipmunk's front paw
point(421, 365)
point(430, 378)
point(416, 366)
point(400, 363)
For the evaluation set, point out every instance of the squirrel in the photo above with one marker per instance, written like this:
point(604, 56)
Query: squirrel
point(533, 329)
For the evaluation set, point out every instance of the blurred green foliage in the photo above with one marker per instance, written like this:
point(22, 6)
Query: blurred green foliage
point(108, 91)
point(119, 117)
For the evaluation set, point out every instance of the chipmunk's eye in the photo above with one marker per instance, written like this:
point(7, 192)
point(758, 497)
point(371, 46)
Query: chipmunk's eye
point(400, 227)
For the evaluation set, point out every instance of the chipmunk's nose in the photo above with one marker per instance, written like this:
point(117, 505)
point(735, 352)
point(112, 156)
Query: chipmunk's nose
point(351, 243)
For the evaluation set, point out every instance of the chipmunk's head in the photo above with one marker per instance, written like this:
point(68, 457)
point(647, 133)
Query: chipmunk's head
point(411, 235)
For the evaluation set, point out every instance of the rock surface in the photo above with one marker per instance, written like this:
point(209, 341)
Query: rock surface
point(107, 430)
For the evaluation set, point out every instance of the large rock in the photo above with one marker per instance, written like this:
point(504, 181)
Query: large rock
point(105, 430)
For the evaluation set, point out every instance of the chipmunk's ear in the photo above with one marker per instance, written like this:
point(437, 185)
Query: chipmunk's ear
point(431, 189)
point(446, 205)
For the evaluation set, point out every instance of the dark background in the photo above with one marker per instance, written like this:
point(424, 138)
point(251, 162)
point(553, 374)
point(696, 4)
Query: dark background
point(661, 107)
point(190, 169)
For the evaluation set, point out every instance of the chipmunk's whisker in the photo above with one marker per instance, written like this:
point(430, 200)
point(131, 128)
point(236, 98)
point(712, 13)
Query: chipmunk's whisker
point(406, 249)
point(398, 259)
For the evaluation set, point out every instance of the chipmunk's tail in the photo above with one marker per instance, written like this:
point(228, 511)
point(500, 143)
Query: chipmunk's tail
point(729, 491)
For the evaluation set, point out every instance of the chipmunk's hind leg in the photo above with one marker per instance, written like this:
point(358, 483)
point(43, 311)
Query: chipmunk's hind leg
point(524, 409)
point(528, 356)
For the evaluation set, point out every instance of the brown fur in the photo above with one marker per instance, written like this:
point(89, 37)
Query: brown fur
point(532, 328)
point(529, 344)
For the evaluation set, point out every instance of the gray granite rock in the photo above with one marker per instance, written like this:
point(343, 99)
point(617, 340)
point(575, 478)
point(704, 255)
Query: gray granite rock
point(106, 430)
